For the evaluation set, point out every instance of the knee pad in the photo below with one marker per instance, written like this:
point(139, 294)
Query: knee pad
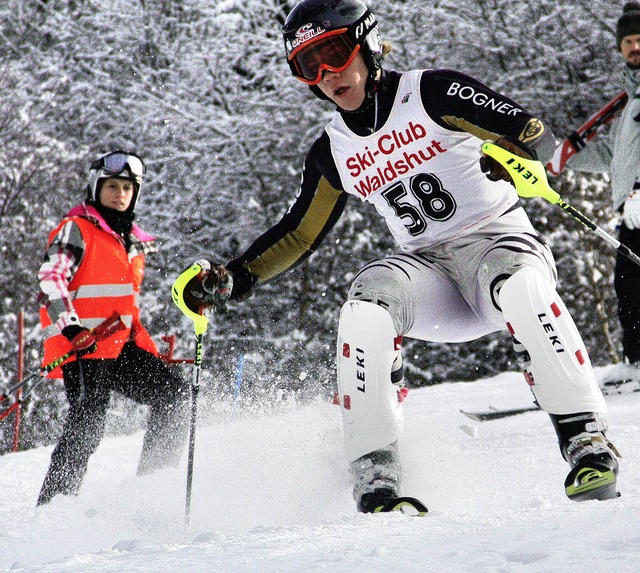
point(383, 285)
point(509, 255)
point(562, 377)
point(367, 347)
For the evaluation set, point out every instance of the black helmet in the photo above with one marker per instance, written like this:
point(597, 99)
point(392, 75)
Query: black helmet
point(120, 164)
point(347, 26)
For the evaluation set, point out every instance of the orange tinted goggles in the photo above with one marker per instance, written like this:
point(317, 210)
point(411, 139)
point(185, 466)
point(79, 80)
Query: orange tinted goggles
point(334, 51)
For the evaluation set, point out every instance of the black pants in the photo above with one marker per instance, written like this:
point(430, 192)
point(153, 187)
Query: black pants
point(137, 374)
point(627, 285)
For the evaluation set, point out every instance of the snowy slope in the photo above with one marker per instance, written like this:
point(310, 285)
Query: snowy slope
point(272, 494)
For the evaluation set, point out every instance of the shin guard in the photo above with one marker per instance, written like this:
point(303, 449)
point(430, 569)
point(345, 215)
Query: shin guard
point(562, 378)
point(371, 412)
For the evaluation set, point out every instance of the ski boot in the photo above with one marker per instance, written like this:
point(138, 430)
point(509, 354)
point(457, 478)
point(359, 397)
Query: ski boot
point(386, 499)
point(377, 478)
point(594, 467)
point(374, 501)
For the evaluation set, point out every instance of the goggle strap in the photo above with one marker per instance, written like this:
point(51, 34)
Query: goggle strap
point(318, 39)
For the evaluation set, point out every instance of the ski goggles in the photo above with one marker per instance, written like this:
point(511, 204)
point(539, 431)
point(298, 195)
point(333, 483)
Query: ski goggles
point(333, 51)
point(114, 163)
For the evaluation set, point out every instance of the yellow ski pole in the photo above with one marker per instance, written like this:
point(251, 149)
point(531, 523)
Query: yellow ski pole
point(200, 324)
point(530, 179)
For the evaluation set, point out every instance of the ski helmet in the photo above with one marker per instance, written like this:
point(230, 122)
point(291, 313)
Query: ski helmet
point(120, 164)
point(326, 35)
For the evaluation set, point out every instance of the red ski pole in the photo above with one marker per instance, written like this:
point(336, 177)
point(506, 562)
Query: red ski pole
point(577, 140)
point(104, 330)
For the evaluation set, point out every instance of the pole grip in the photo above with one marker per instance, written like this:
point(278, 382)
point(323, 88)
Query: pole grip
point(200, 321)
point(530, 180)
point(529, 176)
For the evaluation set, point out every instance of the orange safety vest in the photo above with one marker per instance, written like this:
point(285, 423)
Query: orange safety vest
point(106, 281)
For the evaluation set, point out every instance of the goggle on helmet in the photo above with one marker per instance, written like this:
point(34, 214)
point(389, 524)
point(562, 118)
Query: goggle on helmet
point(116, 164)
point(324, 35)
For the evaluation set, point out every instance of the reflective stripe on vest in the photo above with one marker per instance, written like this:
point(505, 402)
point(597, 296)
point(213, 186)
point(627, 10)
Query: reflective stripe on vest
point(95, 291)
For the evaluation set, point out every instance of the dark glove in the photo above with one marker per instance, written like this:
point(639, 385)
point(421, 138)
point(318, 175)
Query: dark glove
point(243, 281)
point(211, 288)
point(496, 171)
point(81, 338)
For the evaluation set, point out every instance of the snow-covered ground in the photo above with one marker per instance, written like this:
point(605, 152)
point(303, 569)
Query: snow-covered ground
point(271, 494)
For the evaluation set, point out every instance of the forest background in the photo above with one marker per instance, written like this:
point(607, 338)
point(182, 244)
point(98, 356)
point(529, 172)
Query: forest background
point(201, 90)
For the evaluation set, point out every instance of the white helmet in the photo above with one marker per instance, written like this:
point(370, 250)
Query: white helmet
point(120, 164)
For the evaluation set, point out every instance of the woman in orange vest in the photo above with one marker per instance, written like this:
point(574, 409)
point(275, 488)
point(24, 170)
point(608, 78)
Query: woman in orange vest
point(93, 267)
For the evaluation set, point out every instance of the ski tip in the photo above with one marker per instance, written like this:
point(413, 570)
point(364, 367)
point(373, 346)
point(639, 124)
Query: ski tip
point(497, 414)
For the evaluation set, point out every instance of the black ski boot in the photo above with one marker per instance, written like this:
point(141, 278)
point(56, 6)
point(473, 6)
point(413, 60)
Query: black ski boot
point(376, 500)
point(377, 471)
point(594, 467)
point(383, 500)
point(377, 478)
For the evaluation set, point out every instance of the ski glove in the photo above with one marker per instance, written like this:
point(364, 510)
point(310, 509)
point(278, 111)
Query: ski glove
point(211, 288)
point(496, 171)
point(243, 280)
point(81, 338)
point(631, 211)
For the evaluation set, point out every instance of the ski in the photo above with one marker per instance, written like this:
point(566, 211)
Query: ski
point(496, 413)
point(577, 140)
point(617, 389)
point(405, 505)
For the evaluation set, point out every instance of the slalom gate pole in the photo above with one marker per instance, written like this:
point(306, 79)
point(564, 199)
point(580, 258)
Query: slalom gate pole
point(530, 179)
point(200, 324)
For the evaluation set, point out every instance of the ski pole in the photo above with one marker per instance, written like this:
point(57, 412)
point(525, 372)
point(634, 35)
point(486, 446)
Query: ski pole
point(200, 324)
point(104, 330)
point(530, 179)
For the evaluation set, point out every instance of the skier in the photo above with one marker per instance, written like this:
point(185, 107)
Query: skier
point(618, 155)
point(93, 266)
point(470, 261)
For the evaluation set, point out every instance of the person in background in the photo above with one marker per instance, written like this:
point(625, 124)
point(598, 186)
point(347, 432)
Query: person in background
point(469, 261)
point(619, 155)
point(93, 267)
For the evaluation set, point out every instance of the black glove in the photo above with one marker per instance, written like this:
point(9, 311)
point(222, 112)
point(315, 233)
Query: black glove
point(243, 281)
point(496, 171)
point(211, 288)
point(81, 338)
